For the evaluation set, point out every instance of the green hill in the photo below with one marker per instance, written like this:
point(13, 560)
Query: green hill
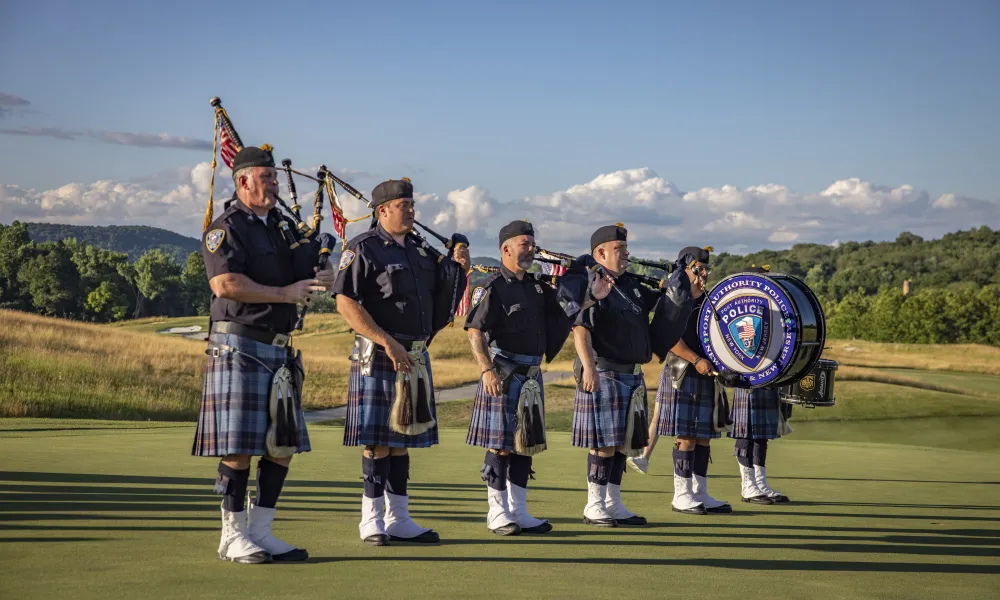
point(134, 240)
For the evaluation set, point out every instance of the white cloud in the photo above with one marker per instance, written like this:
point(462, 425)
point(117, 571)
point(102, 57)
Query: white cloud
point(660, 218)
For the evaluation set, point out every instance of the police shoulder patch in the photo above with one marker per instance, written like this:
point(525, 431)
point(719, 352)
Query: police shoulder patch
point(214, 239)
point(478, 294)
point(346, 259)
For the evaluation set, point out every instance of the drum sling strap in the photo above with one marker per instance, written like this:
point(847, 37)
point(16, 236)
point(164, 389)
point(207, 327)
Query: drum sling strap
point(411, 404)
point(284, 399)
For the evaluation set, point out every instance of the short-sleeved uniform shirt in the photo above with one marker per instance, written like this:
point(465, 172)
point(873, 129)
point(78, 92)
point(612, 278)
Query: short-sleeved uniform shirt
point(690, 337)
point(619, 323)
point(514, 313)
point(239, 241)
point(394, 283)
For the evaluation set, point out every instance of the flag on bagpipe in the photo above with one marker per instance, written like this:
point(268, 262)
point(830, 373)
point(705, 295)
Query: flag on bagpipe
point(551, 269)
point(463, 306)
point(339, 222)
point(227, 148)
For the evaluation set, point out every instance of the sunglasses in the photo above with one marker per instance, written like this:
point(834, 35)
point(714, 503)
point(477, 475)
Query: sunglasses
point(701, 271)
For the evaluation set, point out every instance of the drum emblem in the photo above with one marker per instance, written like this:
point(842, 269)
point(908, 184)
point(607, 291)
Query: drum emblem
point(746, 328)
point(808, 383)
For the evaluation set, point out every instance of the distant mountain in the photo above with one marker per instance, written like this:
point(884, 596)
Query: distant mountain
point(134, 240)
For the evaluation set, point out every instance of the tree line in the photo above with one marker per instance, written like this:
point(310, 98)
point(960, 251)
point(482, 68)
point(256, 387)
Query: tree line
point(71, 279)
point(955, 282)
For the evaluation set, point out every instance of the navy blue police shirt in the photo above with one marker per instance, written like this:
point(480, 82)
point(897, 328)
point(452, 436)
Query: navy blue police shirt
point(395, 284)
point(619, 323)
point(239, 241)
point(515, 313)
point(690, 337)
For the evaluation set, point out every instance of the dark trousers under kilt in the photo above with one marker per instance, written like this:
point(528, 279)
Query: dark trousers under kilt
point(233, 418)
point(601, 418)
point(494, 419)
point(686, 412)
point(369, 403)
point(755, 414)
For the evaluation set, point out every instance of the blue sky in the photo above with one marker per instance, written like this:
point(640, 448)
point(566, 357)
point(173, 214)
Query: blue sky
point(517, 100)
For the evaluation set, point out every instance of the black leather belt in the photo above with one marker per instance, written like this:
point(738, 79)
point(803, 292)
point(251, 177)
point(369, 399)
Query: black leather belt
point(254, 333)
point(604, 364)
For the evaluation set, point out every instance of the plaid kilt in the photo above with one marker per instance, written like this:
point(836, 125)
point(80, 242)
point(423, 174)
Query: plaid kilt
point(233, 418)
point(686, 412)
point(600, 419)
point(494, 419)
point(755, 414)
point(369, 404)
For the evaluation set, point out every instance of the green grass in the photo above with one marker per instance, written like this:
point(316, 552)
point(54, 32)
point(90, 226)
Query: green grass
point(96, 513)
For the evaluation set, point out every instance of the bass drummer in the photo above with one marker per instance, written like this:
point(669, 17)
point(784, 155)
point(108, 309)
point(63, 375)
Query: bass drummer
point(686, 399)
point(758, 416)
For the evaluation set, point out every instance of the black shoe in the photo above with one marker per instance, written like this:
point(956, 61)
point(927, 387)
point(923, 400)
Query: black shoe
point(600, 522)
point(379, 539)
point(427, 537)
point(697, 510)
point(509, 529)
point(725, 509)
point(543, 528)
point(296, 555)
point(759, 500)
point(257, 558)
point(780, 499)
point(634, 520)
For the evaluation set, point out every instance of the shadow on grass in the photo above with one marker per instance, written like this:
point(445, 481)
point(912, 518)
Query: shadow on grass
point(754, 565)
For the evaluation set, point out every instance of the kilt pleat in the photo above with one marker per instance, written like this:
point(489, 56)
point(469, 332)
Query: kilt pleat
point(233, 417)
point(755, 414)
point(369, 403)
point(686, 412)
point(494, 419)
point(600, 418)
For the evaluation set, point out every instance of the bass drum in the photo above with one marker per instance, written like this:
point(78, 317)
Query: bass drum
point(768, 328)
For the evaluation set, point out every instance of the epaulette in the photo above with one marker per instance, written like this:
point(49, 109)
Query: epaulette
point(361, 238)
point(489, 280)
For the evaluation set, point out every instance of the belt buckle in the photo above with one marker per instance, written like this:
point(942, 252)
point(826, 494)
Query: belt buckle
point(280, 340)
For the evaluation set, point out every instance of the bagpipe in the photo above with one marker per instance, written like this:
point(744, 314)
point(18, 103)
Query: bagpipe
point(451, 282)
point(227, 143)
point(670, 313)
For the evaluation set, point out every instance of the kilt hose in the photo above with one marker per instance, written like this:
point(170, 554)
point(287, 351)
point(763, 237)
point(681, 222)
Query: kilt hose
point(755, 414)
point(688, 411)
point(234, 413)
point(600, 418)
point(494, 419)
point(369, 404)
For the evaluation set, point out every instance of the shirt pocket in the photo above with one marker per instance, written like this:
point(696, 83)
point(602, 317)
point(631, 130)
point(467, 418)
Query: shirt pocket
point(396, 281)
point(517, 318)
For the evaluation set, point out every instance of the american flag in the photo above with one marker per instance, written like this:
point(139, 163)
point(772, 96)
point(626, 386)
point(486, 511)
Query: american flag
point(747, 332)
point(463, 306)
point(338, 221)
point(227, 148)
point(551, 269)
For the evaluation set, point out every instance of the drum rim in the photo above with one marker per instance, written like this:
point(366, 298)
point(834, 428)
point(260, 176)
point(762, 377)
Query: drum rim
point(817, 308)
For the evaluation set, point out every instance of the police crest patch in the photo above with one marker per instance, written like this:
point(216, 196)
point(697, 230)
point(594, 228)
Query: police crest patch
point(346, 259)
point(214, 239)
point(477, 295)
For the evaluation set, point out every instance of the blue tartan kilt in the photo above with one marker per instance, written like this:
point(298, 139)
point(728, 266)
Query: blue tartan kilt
point(494, 419)
point(369, 404)
point(600, 418)
point(686, 412)
point(755, 414)
point(233, 418)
